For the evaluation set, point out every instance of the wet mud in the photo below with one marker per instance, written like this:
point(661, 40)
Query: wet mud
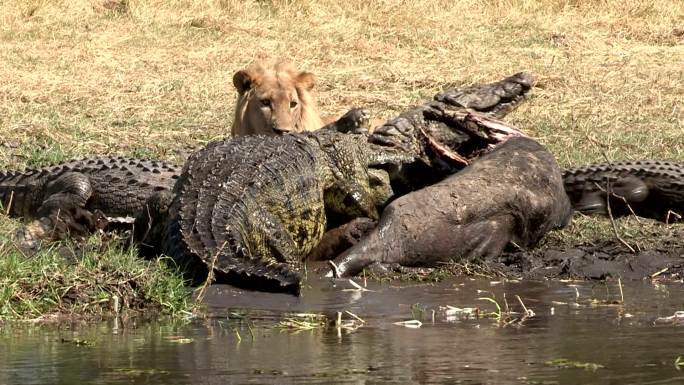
point(587, 260)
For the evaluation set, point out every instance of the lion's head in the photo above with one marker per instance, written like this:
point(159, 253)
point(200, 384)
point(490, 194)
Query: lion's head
point(274, 100)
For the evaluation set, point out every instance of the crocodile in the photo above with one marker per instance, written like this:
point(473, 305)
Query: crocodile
point(647, 188)
point(247, 211)
point(78, 196)
point(346, 173)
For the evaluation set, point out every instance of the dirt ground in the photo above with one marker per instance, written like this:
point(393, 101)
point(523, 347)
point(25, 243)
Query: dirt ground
point(603, 259)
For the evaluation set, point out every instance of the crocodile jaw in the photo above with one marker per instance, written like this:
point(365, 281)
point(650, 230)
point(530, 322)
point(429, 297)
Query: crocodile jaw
point(481, 134)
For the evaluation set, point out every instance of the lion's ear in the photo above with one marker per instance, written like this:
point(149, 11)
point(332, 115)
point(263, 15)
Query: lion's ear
point(243, 80)
point(306, 80)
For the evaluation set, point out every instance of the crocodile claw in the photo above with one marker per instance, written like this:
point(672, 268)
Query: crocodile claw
point(29, 237)
point(356, 120)
point(629, 189)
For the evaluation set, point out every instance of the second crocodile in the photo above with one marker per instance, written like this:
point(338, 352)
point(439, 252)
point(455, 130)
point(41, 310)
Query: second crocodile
point(77, 196)
point(647, 188)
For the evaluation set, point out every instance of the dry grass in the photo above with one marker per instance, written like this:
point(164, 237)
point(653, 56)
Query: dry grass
point(149, 78)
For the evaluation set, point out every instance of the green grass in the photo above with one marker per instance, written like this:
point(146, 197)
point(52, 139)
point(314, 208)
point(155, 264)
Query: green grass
point(85, 282)
point(639, 233)
point(153, 78)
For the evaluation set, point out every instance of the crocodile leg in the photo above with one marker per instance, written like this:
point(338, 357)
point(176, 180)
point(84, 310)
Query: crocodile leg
point(339, 239)
point(280, 245)
point(647, 188)
point(62, 211)
point(356, 120)
point(149, 224)
point(627, 190)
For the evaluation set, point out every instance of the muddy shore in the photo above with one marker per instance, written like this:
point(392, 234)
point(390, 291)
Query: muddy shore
point(591, 260)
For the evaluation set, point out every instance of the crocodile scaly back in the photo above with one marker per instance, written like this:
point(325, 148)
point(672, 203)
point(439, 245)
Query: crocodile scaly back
point(648, 188)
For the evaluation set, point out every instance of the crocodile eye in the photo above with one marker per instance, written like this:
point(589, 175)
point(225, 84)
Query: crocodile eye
point(293, 104)
point(266, 102)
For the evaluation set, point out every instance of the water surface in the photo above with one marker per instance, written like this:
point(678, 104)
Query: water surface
point(243, 339)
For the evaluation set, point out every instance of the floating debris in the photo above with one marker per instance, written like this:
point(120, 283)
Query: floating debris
point(131, 372)
point(453, 310)
point(179, 340)
point(566, 363)
point(348, 325)
point(356, 285)
point(303, 321)
point(675, 319)
point(411, 324)
point(77, 342)
point(507, 317)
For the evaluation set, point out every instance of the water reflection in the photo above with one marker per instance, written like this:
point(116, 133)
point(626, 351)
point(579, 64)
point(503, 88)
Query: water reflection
point(239, 342)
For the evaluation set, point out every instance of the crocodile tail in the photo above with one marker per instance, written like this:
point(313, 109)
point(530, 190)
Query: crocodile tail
point(16, 198)
point(243, 272)
point(255, 275)
point(187, 262)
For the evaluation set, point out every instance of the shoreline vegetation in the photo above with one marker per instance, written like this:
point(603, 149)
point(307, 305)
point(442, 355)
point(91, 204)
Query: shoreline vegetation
point(154, 79)
point(86, 279)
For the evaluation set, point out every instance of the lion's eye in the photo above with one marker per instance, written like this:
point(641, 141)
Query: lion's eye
point(266, 102)
point(293, 104)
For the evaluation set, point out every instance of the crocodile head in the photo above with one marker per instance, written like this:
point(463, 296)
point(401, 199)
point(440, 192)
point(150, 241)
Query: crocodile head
point(442, 136)
point(494, 99)
point(459, 125)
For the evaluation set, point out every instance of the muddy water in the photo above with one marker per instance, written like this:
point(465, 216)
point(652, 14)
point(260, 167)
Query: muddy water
point(243, 340)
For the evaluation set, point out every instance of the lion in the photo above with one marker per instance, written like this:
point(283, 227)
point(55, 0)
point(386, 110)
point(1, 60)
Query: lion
point(274, 100)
